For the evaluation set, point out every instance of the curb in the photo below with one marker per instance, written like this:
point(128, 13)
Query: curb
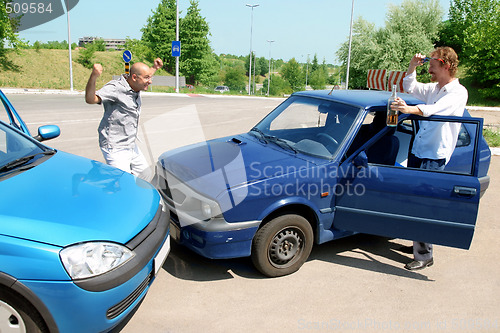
point(41, 91)
point(144, 93)
point(482, 108)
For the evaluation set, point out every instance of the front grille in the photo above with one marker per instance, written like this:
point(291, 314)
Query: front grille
point(119, 308)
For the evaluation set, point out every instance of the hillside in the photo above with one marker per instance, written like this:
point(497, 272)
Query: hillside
point(49, 69)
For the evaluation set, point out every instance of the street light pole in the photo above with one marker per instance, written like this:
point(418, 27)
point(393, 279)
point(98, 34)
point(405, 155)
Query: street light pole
point(269, 80)
point(349, 54)
point(177, 38)
point(69, 47)
point(251, 52)
point(307, 69)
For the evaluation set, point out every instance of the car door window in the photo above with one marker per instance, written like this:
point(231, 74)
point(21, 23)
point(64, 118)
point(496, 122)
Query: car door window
point(463, 137)
point(395, 149)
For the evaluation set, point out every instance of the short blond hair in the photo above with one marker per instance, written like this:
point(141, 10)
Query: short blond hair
point(449, 57)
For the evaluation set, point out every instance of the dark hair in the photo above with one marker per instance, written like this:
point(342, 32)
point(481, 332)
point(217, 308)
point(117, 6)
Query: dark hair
point(449, 57)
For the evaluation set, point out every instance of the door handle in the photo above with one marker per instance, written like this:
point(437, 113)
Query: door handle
point(464, 191)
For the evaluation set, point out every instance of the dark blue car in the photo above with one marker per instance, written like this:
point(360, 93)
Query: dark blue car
point(80, 241)
point(319, 167)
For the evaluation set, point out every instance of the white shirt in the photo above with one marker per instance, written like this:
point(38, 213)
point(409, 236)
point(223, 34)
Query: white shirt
point(437, 140)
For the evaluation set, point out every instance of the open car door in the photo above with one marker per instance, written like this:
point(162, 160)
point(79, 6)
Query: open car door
point(438, 207)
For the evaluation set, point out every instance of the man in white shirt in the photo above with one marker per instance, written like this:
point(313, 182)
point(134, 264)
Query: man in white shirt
point(435, 141)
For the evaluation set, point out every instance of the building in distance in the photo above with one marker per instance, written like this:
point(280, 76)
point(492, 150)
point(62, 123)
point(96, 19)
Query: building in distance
point(111, 44)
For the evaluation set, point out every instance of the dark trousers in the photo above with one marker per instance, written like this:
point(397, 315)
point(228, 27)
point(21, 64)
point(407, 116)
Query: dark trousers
point(423, 251)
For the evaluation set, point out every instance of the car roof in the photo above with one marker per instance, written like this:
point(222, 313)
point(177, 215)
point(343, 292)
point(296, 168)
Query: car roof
point(366, 99)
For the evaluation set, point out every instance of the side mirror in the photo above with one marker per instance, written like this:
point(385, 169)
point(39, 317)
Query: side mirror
point(361, 160)
point(47, 132)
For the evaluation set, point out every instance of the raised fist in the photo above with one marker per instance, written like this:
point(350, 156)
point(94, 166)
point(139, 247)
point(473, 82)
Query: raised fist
point(97, 70)
point(158, 64)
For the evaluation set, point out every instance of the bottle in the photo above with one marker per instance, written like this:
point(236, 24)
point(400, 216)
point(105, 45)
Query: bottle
point(392, 116)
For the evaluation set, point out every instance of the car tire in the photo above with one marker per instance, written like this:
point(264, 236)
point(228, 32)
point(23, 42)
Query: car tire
point(282, 246)
point(17, 315)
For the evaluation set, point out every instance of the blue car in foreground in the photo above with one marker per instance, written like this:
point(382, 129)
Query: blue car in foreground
point(80, 241)
point(321, 166)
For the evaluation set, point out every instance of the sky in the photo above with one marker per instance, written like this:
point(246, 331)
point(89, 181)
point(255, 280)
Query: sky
point(299, 29)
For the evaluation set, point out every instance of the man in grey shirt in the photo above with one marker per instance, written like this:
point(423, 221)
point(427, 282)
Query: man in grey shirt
point(121, 100)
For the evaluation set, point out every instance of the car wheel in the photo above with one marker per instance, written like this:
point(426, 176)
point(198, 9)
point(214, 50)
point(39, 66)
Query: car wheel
point(281, 246)
point(17, 315)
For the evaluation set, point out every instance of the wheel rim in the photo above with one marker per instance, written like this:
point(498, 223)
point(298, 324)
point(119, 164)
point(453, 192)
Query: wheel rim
point(10, 320)
point(285, 247)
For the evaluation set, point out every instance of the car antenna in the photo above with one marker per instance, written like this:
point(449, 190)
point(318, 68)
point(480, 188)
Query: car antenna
point(331, 90)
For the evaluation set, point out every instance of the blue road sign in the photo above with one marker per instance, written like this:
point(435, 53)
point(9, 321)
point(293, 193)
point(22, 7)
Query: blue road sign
point(176, 48)
point(127, 56)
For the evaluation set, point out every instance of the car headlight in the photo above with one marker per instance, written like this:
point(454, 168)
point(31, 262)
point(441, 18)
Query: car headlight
point(210, 210)
point(206, 209)
point(94, 258)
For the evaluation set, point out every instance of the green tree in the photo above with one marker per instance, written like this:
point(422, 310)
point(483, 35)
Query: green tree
point(292, 72)
point(262, 66)
point(86, 56)
point(100, 45)
point(55, 45)
point(314, 65)
point(279, 86)
point(235, 78)
point(410, 28)
point(139, 49)
point(159, 33)
point(475, 25)
point(198, 63)
point(318, 75)
point(318, 79)
point(364, 53)
point(8, 36)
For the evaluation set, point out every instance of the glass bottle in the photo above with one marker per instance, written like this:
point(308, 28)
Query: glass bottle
point(392, 116)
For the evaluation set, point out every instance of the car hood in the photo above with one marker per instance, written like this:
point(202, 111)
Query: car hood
point(69, 199)
point(215, 166)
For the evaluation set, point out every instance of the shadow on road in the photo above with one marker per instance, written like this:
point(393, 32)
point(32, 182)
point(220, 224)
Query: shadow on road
point(359, 251)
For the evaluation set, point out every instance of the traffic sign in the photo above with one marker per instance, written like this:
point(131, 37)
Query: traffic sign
point(127, 56)
point(176, 48)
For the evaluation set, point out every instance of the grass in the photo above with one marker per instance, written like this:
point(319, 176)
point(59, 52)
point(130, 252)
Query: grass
point(475, 97)
point(49, 69)
point(492, 137)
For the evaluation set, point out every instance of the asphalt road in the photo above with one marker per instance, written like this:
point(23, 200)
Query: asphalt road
point(356, 284)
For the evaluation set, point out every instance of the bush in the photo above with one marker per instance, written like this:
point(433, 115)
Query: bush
point(86, 57)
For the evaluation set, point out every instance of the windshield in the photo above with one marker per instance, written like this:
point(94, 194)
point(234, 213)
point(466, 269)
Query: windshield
point(308, 125)
point(17, 151)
